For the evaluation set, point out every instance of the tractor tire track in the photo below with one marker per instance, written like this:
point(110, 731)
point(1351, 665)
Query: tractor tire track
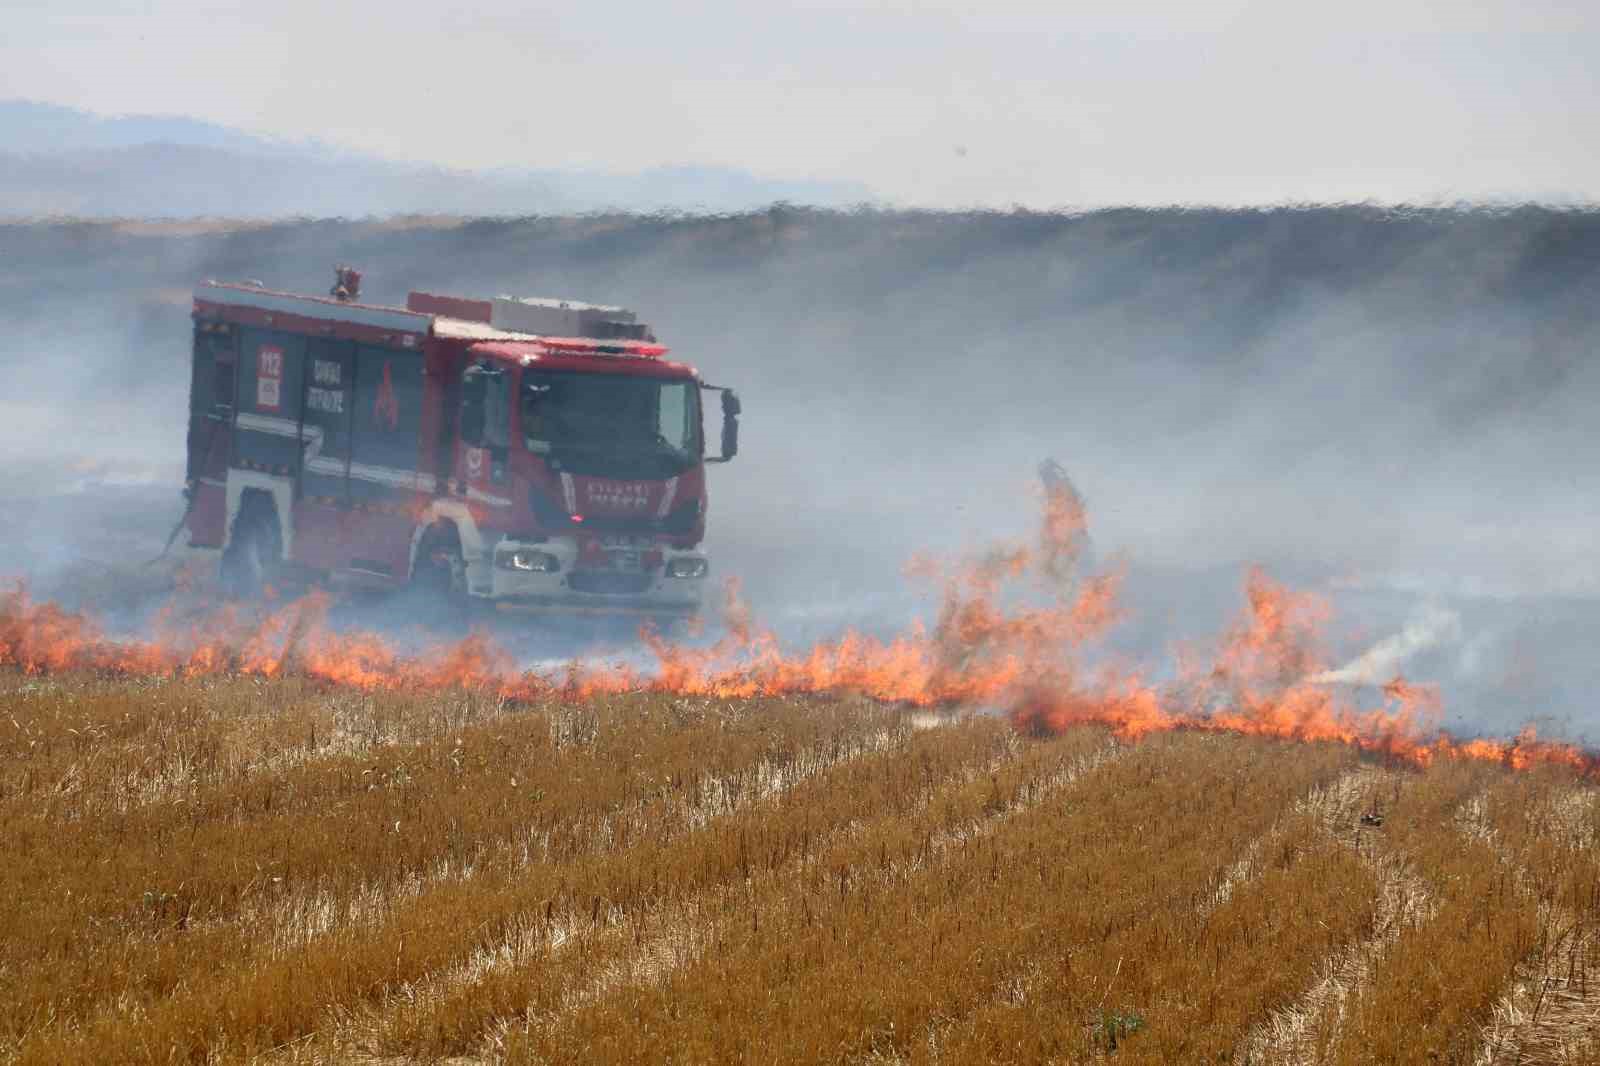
point(1550, 1013)
point(678, 934)
point(662, 935)
point(1295, 1034)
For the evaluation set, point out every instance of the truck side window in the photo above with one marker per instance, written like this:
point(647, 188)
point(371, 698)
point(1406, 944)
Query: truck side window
point(472, 404)
point(485, 408)
point(673, 425)
point(496, 413)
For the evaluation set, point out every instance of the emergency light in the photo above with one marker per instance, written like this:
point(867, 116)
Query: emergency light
point(591, 347)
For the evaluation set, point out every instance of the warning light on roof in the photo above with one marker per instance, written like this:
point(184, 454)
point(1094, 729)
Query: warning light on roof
point(577, 518)
point(638, 349)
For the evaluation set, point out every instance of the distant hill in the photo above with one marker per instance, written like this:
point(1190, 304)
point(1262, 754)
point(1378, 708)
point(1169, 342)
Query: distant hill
point(28, 127)
point(60, 162)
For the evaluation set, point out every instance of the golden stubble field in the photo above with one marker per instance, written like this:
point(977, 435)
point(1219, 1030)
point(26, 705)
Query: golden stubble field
point(233, 869)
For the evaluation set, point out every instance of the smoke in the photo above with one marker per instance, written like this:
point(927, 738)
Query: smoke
point(1431, 627)
point(1389, 408)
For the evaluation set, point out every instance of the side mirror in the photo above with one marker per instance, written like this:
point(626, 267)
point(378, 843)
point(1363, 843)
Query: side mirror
point(730, 425)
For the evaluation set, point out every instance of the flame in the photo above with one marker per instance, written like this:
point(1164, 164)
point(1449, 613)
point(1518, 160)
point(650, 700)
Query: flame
point(991, 643)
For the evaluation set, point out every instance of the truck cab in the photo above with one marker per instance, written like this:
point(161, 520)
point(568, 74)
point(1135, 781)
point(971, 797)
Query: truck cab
point(588, 463)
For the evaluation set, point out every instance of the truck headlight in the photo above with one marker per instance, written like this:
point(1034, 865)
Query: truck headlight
point(687, 567)
point(529, 561)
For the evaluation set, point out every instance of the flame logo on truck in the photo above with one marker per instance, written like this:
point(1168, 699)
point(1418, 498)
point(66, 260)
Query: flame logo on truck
point(386, 408)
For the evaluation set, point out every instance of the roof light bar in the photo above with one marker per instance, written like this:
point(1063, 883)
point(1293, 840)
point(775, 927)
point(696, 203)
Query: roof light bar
point(593, 347)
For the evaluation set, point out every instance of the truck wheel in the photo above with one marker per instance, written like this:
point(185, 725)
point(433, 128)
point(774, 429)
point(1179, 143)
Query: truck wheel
point(441, 570)
point(253, 553)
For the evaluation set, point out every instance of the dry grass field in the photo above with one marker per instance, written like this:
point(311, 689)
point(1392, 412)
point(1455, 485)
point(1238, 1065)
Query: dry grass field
point(232, 868)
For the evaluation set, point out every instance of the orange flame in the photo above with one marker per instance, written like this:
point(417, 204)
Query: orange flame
point(990, 644)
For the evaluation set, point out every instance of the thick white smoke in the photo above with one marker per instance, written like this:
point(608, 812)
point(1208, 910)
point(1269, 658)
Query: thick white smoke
point(1430, 627)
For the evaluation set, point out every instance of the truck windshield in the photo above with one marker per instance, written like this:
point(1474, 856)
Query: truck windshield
point(631, 420)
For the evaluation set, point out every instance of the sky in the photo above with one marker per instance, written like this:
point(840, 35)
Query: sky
point(939, 103)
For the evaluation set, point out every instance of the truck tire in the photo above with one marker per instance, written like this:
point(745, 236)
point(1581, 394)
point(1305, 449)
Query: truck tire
point(254, 551)
point(440, 574)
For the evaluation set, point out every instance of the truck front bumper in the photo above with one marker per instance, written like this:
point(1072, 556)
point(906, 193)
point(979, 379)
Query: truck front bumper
point(549, 576)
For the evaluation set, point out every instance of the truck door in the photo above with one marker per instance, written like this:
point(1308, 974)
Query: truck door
point(386, 427)
point(210, 439)
point(210, 402)
point(484, 444)
point(269, 392)
point(325, 427)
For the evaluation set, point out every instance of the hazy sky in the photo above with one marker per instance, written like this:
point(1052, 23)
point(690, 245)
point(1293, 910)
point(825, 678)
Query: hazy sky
point(1000, 102)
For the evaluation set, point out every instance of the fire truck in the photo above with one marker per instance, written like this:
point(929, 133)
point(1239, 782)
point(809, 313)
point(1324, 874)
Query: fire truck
point(535, 454)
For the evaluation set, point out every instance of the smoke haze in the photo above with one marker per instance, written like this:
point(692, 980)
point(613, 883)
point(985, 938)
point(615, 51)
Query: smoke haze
point(1389, 407)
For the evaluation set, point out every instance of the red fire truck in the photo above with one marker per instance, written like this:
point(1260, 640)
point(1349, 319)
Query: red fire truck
point(539, 454)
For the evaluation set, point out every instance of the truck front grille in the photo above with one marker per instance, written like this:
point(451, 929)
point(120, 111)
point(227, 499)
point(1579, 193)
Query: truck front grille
point(609, 583)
